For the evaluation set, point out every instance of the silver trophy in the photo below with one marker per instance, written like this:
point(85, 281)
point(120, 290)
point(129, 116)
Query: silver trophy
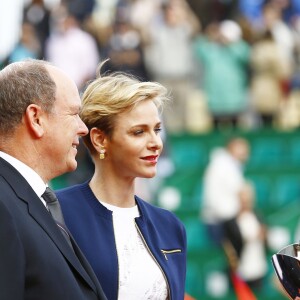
point(287, 266)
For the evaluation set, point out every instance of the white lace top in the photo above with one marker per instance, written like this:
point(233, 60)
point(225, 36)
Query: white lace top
point(139, 275)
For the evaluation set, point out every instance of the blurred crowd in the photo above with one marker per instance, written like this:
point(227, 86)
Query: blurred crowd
point(226, 63)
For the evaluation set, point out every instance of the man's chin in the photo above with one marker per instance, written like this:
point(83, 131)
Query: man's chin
point(72, 166)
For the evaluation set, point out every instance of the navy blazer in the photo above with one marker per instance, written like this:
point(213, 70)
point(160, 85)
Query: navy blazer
point(92, 227)
point(36, 261)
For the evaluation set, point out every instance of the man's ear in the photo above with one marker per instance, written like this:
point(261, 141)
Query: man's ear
point(98, 138)
point(34, 119)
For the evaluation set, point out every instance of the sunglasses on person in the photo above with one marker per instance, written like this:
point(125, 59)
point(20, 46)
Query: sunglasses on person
point(287, 267)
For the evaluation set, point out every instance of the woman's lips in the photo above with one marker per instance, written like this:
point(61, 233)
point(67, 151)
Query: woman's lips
point(151, 158)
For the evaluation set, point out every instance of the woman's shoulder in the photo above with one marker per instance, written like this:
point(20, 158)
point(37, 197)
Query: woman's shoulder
point(151, 211)
point(71, 192)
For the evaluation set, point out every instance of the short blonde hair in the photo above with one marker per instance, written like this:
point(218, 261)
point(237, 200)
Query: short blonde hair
point(112, 94)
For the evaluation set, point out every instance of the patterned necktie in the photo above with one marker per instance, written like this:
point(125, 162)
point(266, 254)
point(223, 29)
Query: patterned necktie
point(55, 210)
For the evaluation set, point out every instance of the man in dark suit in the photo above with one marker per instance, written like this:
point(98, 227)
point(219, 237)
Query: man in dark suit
point(39, 133)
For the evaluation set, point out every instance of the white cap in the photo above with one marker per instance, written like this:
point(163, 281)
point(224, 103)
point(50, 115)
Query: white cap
point(230, 30)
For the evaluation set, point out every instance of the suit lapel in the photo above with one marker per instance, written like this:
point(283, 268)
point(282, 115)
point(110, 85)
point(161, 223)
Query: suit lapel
point(39, 213)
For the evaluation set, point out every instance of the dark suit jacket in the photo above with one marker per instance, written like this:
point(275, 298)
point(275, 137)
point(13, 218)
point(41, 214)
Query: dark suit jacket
point(36, 261)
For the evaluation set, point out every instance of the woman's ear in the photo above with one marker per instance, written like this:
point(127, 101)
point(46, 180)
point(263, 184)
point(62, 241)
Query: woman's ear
point(33, 117)
point(98, 138)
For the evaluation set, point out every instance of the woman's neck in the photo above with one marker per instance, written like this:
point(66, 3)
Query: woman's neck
point(115, 191)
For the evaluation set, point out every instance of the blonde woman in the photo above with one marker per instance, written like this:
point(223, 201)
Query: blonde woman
point(137, 250)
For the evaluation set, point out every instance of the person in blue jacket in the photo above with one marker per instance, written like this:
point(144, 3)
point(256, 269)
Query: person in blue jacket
point(137, 250)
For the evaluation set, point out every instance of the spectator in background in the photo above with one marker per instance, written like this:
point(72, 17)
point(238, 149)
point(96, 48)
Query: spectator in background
point(246, 235)
point(71, 48)
point(270, 74)
point(76, 52)
point(143, 12)
point(38, 15)
point(125, 49)
point(222, 181)
point(170, 60)
point(224, 59)
point(272, 21)
point(273, 63)
point(29, 45)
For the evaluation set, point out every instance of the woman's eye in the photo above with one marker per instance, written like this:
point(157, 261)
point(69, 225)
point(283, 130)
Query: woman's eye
point(157, 130)
point(138, 132)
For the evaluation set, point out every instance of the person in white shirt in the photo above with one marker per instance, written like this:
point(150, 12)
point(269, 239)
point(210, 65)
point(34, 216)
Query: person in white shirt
point(222, 181)
point(72, 49)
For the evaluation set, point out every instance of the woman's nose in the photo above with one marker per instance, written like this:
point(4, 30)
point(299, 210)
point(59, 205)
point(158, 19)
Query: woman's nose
point(156, 142)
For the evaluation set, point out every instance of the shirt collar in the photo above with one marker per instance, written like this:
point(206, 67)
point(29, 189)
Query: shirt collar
point(33, 179)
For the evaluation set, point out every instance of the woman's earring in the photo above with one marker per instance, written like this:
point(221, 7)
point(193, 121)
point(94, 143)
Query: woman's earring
point(102, 153)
